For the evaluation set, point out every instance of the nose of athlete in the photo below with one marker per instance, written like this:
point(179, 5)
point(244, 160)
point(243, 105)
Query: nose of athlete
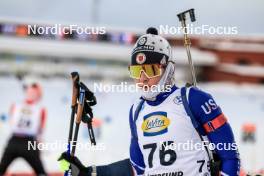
point(143, 78)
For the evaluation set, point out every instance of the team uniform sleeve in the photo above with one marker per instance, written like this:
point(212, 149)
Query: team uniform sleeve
point(218, 130)
point(122, 167)
point(136, 156)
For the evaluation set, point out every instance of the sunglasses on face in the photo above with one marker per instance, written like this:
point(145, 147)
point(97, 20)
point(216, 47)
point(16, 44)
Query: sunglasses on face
point(150, 70)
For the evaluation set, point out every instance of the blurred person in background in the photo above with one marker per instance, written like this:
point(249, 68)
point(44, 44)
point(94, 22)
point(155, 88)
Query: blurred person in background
point(27, 121)
point(249, 132)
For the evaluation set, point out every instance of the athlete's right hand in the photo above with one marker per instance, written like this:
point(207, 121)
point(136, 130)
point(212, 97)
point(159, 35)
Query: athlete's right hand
point(67, 162)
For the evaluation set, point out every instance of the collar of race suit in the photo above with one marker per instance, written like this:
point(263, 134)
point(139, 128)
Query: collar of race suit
point(161, 97)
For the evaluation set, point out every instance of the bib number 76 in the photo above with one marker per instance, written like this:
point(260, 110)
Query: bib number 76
point(167, 156)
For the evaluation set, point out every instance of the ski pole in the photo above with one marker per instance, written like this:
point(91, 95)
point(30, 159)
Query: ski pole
point(78, 119)
point(88, 120)
point(187, 41)
point(75, 81)
point(88, 114)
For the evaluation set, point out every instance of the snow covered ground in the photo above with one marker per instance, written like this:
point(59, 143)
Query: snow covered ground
point(240, 103)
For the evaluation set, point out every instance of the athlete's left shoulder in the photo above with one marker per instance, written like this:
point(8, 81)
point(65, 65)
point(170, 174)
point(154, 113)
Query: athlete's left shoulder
point(202, 104)
point(198, 92)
